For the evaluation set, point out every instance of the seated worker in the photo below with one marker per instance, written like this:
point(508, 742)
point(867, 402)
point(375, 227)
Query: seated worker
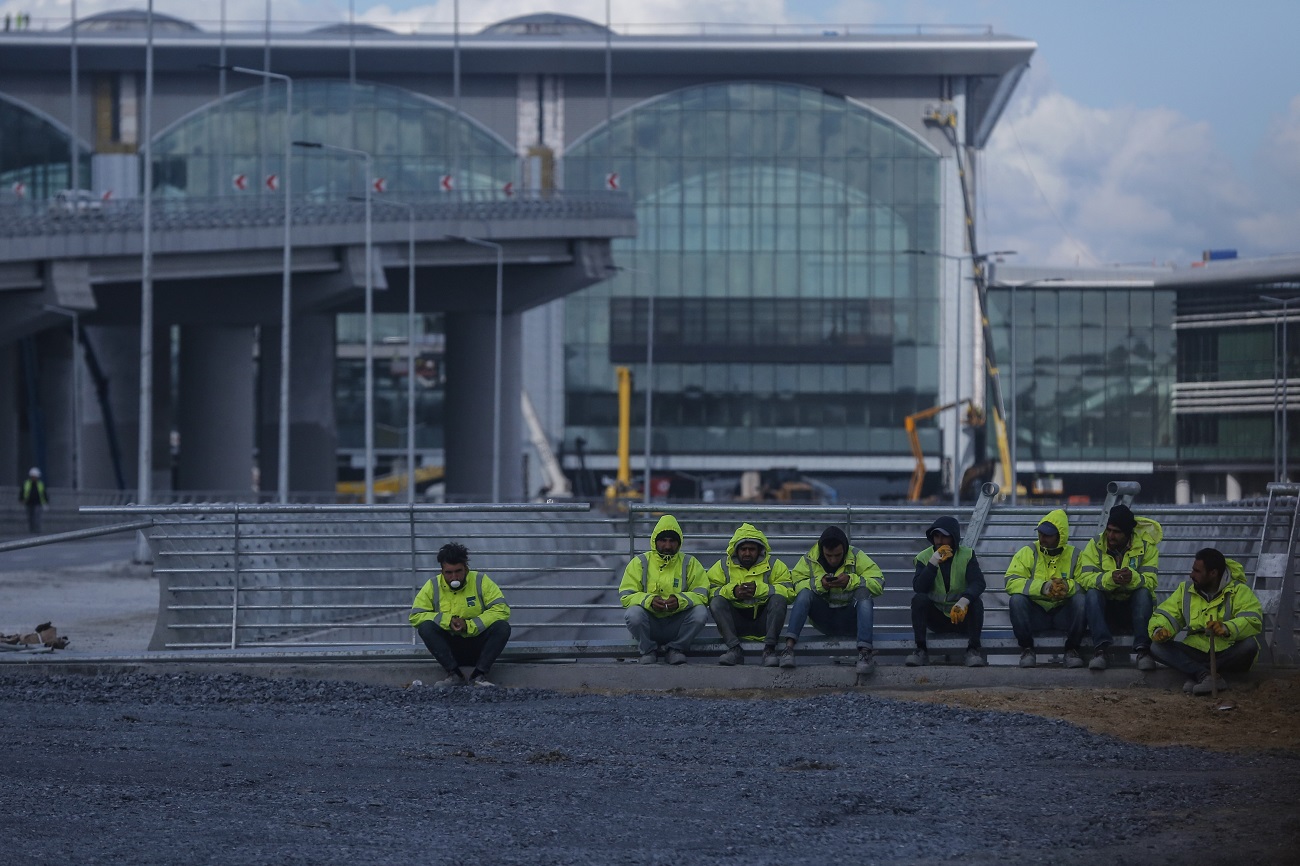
point(1044, 591)
point(1214, 605)
point(836, 586)
point(462, 617)
point(749, 591)
point(1118, 573)
point(665, 596)
point(948, 584)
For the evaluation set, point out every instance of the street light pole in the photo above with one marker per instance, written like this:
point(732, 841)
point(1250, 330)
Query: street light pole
point(496, 369)
point(1285, 303)
point(286, 291)
point(370, 315)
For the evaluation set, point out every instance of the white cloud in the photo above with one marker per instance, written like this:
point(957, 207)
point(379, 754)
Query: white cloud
point(1066, 183)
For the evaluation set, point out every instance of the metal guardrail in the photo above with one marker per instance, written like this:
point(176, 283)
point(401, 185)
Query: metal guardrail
point(39, 218)
point(340, 576)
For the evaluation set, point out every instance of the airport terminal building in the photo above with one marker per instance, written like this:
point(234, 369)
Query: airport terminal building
point(798, 281)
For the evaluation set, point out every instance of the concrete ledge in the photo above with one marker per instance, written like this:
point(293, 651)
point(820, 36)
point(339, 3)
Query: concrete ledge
point(400, 668)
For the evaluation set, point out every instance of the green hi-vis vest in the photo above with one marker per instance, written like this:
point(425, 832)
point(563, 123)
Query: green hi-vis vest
point(944, 595)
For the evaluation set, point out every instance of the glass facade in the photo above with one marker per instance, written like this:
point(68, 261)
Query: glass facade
point(786, 318)
point(413, 140)
point(1093, 370)
point(34, 152)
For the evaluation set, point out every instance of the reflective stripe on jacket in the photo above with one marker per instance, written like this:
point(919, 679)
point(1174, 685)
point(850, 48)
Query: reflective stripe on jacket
point(479, 602)
point(862, 571)
point(1097, 566)
point(1234, 604)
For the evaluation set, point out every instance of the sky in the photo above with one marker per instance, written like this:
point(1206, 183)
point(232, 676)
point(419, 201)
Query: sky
point(1144, 132)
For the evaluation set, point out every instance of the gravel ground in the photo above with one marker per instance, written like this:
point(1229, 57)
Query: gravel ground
point(226, 769)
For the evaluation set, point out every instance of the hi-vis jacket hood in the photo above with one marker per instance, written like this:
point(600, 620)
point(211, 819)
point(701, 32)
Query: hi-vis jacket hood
point(770, 576)
point(667, 523)
point(1057, 518)
point(748, 532)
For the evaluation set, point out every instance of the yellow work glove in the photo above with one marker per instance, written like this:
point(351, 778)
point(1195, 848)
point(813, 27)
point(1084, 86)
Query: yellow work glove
point(1161, 635)
point(958, 613)
point(1057, 588)
point(940, 555)
point(1216, 628)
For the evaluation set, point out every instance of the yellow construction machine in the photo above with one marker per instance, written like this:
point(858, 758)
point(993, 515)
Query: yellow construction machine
point(392, 484)
point(974, 418)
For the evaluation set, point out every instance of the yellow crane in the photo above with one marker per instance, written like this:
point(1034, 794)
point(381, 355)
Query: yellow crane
point(974, 418)
point(623, 488)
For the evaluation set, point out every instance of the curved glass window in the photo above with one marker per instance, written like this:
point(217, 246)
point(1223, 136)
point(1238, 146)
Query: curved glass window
point(772, 220)
point(34, 152)
point(414, 141)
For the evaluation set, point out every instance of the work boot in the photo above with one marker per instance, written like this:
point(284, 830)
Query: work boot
point(480, 679)
point(866, 662)
point(733, 656)
point(975, 658)
point(1027, 657)
point(649, 658)
point(918, 659)
point(1206, 684)
point(1098, 661)
point(1188, 686)
point(787, 657)
point(1145, 662)
point(769, 657)
point(454, 678)
point(1073, 659)
point(675, 657)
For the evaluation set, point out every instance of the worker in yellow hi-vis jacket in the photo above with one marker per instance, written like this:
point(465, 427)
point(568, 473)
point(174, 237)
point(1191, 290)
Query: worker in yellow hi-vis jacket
point(462, 617)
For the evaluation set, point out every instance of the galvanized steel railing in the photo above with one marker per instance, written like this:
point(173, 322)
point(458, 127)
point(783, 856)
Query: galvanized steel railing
point(344, 576)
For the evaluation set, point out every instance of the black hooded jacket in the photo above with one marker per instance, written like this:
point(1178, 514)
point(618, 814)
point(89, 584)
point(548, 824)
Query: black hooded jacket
point(923, 579)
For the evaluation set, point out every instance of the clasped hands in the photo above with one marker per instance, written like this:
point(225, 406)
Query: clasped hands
point(1058, 588)
point(662, 604)
point(745, 591)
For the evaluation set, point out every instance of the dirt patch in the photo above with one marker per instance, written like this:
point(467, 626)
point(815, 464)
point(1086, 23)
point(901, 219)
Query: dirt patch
point(1266, 718)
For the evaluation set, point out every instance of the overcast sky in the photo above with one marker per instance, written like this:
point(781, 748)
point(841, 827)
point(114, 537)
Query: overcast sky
point(1145, 131)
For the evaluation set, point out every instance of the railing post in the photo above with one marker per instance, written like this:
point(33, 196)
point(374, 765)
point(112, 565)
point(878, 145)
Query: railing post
point(234, 589)
point(415, 577)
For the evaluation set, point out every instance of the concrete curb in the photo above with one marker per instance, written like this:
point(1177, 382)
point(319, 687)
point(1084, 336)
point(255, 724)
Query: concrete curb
point(401, 669)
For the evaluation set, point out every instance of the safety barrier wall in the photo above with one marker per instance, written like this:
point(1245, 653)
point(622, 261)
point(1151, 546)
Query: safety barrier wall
point(263, 575)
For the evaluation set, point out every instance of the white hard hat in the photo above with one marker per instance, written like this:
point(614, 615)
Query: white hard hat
point(34, 472)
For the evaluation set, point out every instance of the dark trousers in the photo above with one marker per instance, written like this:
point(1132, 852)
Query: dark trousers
point(33, 519)
point(926, 616)
point(1195, 663)
point(451, 650)
point(1106, 614)
point(737, 622)
point(1028, 619)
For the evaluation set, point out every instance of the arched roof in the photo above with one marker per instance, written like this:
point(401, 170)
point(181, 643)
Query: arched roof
point(132, 20)
point(356, 29)
point(545, 24)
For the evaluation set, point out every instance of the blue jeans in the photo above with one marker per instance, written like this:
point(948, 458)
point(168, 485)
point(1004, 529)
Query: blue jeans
point(1195, 663)
point(1028, 619)
point(1132, 612)
point(851, 620)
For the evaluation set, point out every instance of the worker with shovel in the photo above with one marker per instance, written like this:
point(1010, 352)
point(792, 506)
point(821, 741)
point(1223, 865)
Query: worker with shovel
point(1222, 617)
